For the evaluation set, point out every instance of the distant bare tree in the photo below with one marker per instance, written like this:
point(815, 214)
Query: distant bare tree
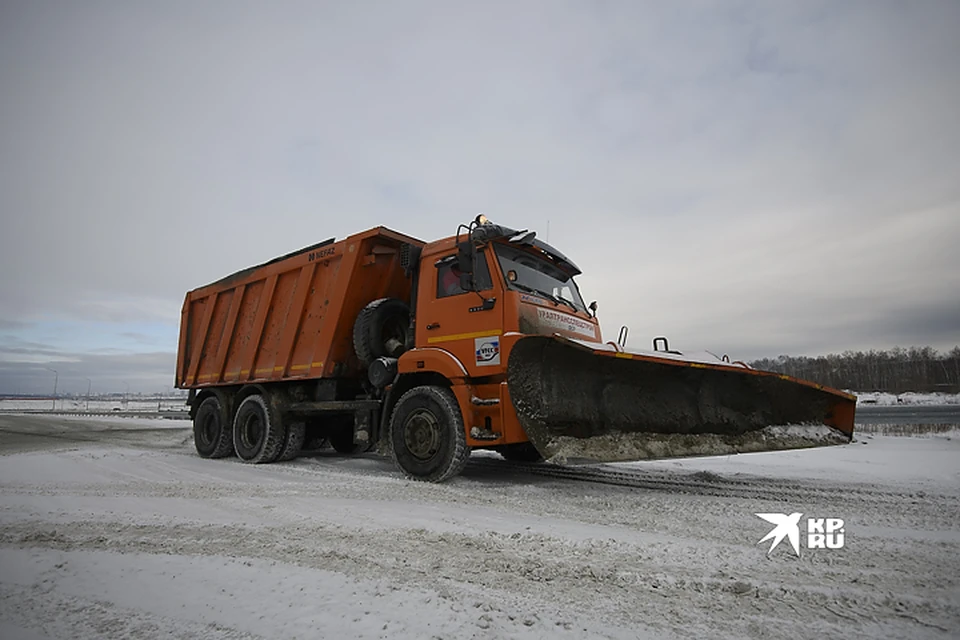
point(896, 371)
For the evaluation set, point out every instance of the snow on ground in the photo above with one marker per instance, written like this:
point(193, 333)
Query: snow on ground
point(80, 404)
point(906, 462)
point(137, 422)
point(910, 397)
point(178, 404)
point(120, 530)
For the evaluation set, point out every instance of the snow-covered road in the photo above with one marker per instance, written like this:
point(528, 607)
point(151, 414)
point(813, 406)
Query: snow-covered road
point(115, 528)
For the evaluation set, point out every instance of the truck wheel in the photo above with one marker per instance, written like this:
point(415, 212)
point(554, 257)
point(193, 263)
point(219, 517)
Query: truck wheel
point(381, 330)
point(296, 433)
point(212, 434)
point(427, 438)
point(258, 431)
point(523, 452)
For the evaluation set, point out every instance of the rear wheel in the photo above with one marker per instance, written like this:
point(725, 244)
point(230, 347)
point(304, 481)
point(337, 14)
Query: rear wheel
point(212, 433)
point(427, 436)
point(258, 431)
point(296, 433)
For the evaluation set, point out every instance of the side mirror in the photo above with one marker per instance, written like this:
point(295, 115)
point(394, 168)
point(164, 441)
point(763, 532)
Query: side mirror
point(465, 257)
point(593, 308)
point(466, 281)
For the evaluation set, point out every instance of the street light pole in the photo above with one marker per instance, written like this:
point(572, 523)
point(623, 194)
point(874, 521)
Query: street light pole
point(56, 378)
point(89, 384)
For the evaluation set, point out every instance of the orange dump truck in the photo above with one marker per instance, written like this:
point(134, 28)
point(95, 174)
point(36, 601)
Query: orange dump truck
point(480, 340)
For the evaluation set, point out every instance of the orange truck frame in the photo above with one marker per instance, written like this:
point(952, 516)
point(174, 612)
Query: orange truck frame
point(480, 340)
point(379, 336)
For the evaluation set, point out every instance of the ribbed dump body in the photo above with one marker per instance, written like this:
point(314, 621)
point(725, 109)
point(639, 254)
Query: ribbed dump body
point(292, 317)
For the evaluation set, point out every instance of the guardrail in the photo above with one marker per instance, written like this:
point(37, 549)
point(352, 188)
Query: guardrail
point(169, 415)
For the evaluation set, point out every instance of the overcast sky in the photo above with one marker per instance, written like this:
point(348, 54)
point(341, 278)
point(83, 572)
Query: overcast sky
point(751, 178)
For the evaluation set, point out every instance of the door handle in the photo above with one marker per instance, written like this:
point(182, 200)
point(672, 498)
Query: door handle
point(433, 325)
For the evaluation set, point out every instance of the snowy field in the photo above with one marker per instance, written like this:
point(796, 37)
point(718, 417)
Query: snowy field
point(98, 405)
point(95, 405)
point(115, 528)
point(908, 398)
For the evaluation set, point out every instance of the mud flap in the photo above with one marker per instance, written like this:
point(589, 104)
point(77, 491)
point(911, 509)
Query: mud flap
point(575, 402)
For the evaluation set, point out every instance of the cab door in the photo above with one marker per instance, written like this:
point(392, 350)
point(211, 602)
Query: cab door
point(453, 319)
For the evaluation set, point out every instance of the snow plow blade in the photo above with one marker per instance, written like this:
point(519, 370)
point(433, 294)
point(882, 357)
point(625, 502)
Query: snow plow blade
point(584, 401)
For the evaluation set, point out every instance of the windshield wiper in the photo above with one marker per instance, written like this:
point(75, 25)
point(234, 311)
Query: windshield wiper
point(557, 299)
point(524, 287)
point(568, 302)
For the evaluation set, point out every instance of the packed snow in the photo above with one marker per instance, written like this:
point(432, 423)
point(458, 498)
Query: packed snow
point(95, 405)
point(116, 528)
point(909, 398)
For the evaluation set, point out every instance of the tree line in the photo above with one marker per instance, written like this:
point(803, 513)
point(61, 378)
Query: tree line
point(898, 370)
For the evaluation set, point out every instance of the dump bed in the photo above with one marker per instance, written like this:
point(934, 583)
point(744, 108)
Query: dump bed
point(292, 317)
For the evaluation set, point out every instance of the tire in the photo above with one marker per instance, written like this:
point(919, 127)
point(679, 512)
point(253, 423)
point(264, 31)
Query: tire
point(523, 452)
point(258, 431)
point(296, 434)
point(427, 438)
point(381, 330)
point(212, 432)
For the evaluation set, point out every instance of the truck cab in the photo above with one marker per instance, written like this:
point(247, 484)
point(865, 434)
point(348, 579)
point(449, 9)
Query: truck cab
point(476, 295)
point(470, 304)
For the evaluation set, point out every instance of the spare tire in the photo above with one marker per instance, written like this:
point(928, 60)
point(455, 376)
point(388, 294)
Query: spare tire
point(381, 330)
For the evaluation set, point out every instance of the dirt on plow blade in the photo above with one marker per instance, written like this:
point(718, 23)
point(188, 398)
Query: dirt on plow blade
point(577, 402)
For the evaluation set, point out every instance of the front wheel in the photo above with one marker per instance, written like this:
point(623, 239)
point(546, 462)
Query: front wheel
point(427, 437)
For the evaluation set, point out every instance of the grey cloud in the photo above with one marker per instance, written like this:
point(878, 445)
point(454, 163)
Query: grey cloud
point(12, 346)
point(108, 373)
point(138, 337)
point(31, 349)
point(942, 321)
point(765, 176)
point(9, 325)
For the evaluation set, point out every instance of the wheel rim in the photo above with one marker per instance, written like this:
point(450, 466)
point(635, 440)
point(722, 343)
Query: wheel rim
point(208, 428)
point(422, 434)
point(251, 431)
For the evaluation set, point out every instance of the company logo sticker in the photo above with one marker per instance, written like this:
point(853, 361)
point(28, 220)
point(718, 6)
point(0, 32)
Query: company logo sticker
point(822, 533)
point(573, 324)
point(487, 351)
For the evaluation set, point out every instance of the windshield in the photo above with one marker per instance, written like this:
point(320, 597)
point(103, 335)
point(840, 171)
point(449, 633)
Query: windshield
point(536, 274)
